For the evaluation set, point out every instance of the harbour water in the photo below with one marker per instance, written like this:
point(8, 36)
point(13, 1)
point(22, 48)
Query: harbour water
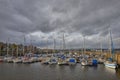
point(38, 71)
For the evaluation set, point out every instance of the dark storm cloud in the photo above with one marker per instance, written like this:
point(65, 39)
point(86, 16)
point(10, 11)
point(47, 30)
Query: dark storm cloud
point(84, 17)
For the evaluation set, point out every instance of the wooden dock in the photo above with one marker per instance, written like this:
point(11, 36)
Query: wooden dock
point(117, 58)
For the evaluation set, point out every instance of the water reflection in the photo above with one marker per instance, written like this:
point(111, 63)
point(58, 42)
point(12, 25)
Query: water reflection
point(84, 68)
point(37, 71)
point(72, 68)
point(118, 72)
point(110, 70)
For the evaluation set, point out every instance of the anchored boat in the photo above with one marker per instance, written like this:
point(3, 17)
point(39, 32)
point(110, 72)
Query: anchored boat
point(110, 62)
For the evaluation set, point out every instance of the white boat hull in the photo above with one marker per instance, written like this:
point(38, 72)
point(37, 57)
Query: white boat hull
point(84, 63)
point(17, 61)
point(26, 61)
point(113, 65)
point(110, 64)
point(52, 62)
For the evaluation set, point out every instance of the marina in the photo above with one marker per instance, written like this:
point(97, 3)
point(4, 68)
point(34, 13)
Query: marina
point(57, 66)
point(53, 64)
point(59, 40)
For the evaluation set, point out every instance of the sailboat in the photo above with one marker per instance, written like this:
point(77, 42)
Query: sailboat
point(71, 61)
point(17, 59)
point(8, 58)
point(1, 59)
point(101, 57)
point(26, 58)
point(111, 63)
point(45, 60)
point(84, 61)
point(62, 60)
point(52, 60)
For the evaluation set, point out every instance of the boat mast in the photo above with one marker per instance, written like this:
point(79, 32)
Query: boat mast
point(54, 45)
point(7, 46)
point(47, 45)
point(111, 45)
point(84, 50)
point(101, 46)
point(63, 42)
point(12, 50)
point(30, 44)
point(17, 50)
point(24, 45)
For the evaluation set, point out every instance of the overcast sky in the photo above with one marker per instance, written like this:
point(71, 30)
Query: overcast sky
point(42, 20)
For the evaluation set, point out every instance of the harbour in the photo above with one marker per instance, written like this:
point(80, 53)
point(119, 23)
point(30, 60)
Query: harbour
point(31, 63)
point(59, 40)
point(49, 67)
